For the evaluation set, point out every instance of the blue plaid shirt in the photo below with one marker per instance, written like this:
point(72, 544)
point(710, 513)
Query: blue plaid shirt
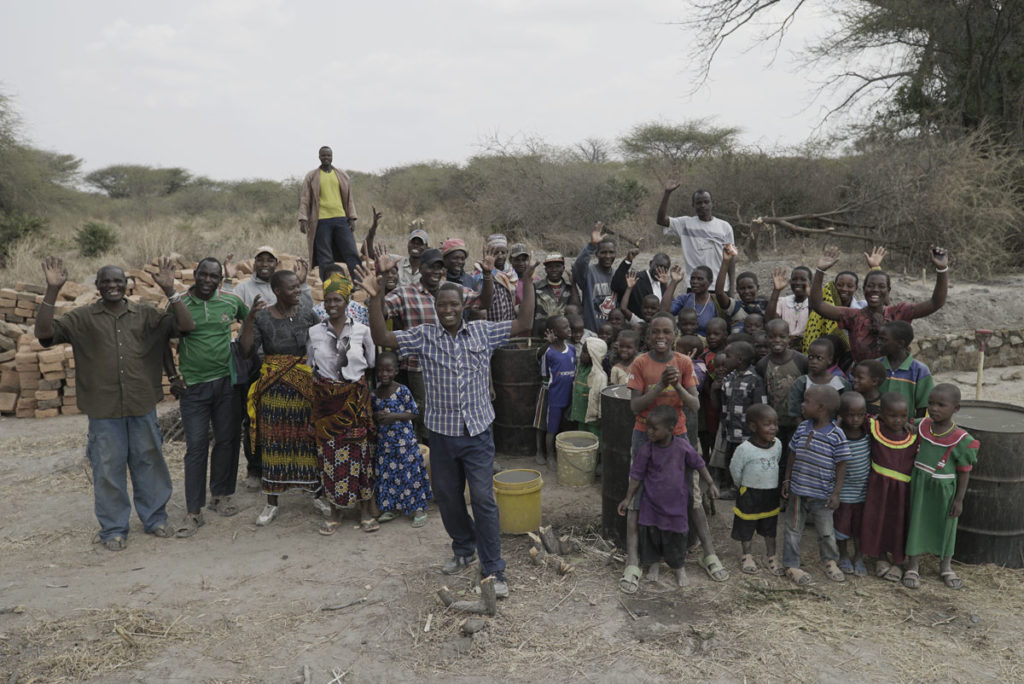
point(456, 372)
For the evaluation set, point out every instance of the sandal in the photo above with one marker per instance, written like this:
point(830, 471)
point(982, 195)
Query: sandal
point(163, 531)
point(774, 566)
point(369, 525)
point(951, 580)
point(833, 572)
point(748, 565)
point(894, 573)
point(190, 525)
point(798, 576)
point(882, 568)
point(223, 505)
point(846, 565)
point(387, 516)
point(115, 543)
point(714, 567)
point(328, 527)
point(859, 569)
point(420, 519)
point(912, 579)
point(630, 581)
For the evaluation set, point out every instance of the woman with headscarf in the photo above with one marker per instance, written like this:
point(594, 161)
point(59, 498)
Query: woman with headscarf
point(340, 350)
point(280, 401)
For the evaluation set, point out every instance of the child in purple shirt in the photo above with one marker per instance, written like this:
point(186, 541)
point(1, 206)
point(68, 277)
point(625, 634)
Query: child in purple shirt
point(661, 467)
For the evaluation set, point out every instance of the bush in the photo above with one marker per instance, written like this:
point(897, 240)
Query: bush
point(13, 227)
point(95, 239)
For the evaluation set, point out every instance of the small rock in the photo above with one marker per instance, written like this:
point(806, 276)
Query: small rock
point(1015, 375)
point(473, 625)
point(975, 619)
point(284, 557)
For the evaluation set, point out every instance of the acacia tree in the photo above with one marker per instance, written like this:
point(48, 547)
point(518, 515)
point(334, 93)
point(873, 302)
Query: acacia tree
point(921, 66)
point(667, 149)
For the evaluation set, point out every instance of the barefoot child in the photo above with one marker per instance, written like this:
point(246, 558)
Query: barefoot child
point(661, 466)
point(868, 376)
point(814, 477)
point(848, 517)
point(626, 349)
point(938, 485)
point(904, 373)
point(893, 448)
point(558, 365)
point(755, 470)
point(402, 482)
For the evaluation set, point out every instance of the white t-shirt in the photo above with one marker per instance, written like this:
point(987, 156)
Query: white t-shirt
point(702, 242)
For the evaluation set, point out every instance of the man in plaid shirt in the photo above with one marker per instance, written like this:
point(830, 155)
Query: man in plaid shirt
point(413, 305)
point(455, 357)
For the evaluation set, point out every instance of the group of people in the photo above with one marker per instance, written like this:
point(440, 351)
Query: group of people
point(338, 399)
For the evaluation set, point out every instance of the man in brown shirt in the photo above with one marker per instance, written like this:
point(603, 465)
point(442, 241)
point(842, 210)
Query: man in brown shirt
point(327, 215)
point(118, 346)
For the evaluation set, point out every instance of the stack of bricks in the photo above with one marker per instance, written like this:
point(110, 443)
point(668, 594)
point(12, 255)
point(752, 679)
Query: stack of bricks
point(40, 383)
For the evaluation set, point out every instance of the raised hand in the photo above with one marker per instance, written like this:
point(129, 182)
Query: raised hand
point(597, 234)
point(939, 255)
point(671, 186)
point(661, 275)
point(632, 254)
point(301, 269)
point(385, 262)
point(531, 269)
point(676, 273)
point(874, 259)
point(165, 277)
point(257, 305)
point(376, 220)
point(829, 256)
point(230, 268)
point(487, 263)
point(549, 336)
point(367, 280)
point(631, 279)
point(728, 253)
point(780, 279)
point(55, 273)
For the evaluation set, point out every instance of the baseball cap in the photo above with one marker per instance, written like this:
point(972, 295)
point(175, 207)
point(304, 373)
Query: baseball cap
point(421, 234)
point(430, 256)
point(268, 249)
point(553, 257)
point(517, 248)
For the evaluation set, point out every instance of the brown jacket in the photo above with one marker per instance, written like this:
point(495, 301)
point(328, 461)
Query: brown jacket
point(309, 202)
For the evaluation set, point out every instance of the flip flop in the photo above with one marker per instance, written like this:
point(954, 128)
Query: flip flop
point(833, 572)
point(630, 581)
point(774, 566)
point(951, 580)
point(748, 565)
point(369, 525)
point(882, 568)
point(420, 519)
point(798, 576)
point(911, 579)
point(846, 565)
point(328, 527)
point(387, 516)
point(859, 569)
point(714, 567)
point(894, 574)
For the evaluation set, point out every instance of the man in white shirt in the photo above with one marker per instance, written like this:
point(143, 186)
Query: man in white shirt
point(701, 237)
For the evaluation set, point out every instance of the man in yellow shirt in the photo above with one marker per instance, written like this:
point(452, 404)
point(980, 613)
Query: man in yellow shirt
point(326, 202)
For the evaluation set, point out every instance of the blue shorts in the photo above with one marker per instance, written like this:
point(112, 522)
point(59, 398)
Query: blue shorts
point(555, 414)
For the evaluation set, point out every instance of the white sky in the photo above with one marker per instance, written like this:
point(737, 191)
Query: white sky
point(251, 88)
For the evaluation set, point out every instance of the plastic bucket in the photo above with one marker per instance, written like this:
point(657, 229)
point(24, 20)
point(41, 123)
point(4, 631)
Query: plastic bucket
point(577, 458)
point(517, 492)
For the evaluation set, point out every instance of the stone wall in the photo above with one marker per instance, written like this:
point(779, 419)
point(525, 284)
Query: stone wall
point(959, 351)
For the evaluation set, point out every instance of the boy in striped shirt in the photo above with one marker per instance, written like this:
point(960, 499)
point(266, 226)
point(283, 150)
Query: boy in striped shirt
point(814, 478)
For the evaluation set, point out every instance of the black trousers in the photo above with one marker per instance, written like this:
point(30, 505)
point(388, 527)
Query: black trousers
point(218, 403)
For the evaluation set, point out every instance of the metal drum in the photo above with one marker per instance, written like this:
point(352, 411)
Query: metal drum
point(616, 437)
point(515, 371)
point(991, 527)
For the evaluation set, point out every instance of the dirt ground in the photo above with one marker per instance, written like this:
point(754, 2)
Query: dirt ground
point(239, 603)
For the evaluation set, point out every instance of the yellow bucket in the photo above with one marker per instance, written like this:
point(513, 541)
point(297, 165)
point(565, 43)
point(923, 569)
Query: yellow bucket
point(577, 458)
point(517, 492)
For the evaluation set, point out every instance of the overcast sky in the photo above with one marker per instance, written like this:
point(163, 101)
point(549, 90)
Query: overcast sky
point(251, 88)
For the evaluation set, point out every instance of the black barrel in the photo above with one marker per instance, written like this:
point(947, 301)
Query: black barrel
point(991, 527)
point(515, 370)
point(616, 436)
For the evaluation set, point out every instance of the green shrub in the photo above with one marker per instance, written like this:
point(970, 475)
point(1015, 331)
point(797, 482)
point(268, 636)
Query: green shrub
point(14, 226)
point(95, 239)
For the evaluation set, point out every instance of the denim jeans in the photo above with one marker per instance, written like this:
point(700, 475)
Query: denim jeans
point(795, 517)
point(333, 242)
point(117, 447)
point(218, 402)
point(454, 461)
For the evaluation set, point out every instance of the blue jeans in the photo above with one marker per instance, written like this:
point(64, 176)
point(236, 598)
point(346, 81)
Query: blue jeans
point(333, 242)
point(117, 447)
point(454, 461)
point(800, 508)
point(219, 403)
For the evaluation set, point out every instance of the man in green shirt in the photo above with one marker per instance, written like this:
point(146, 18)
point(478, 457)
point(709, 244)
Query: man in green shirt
point(208, 395)
point(327, 214)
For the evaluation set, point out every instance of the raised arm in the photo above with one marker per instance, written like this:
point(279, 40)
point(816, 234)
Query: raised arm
point(372, 232)
point(56, 275)
point(378, 326)
point(828, 259)
point(246, 334)
point(779, 282)
point(523, 325)
point(165, 281)
point(728, 266)
point(675, 276)
point(619, 281)
point(940, 258)
point(670, 187)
